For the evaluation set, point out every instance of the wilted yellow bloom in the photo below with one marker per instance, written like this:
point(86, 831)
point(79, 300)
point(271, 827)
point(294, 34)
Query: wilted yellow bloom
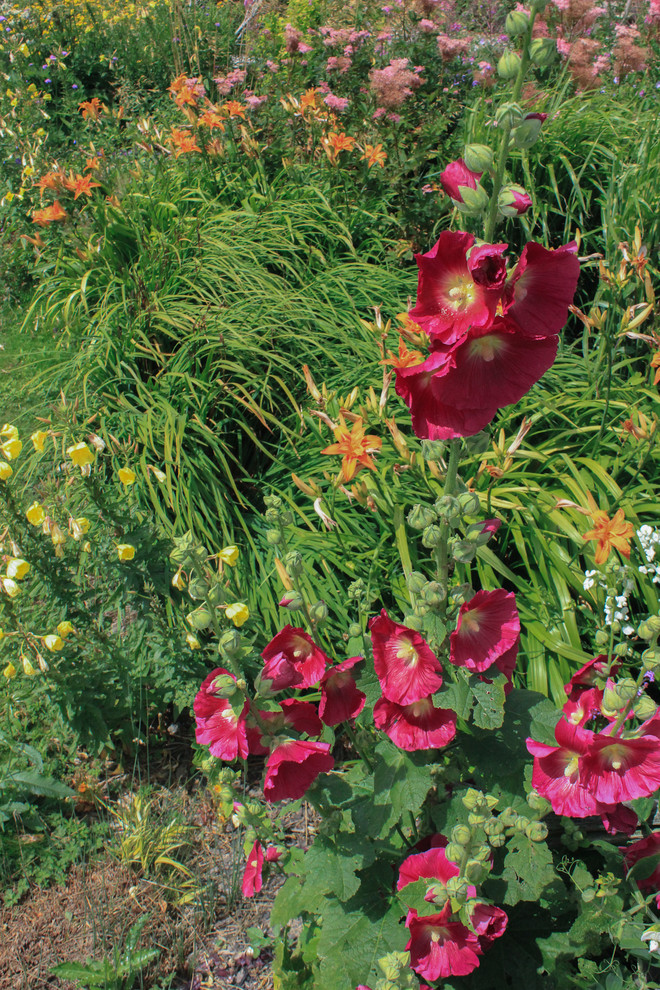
point(35, 514)
point(160, 475)
point(64, 628)
point(2, 634)
point(11, 449)
point(57, 536)
point(192, 641)
point(78, 527)
point(17, 568)
point(38, 440)
point(6, 470)
point(126, 476)
point(81, 456)
point(10, 431)
point(125, 551)
point(229, 555)
point(178, 581)
point(97, 443)
point(9, 671)
point(87, 546)
point(238, 613)
point(52, 642)
point(27, 667)
point(9, 586)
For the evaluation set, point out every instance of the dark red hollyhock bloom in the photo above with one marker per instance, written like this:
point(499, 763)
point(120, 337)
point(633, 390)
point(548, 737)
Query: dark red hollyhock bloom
point(619, 818)
point(217, 725)
point(455, 175)
point(457, 391)
point(407, 668)
point(419, 725)
point(301, 652)
point(277, 674)
point(557, 773)
point(541, 288)
point(252, 876)
point(295, 714)
point(650, 846)
point(455, 292)
point(586, 706)
point(340, 698)
point(488, 627)
point(293, 767)
point(489, 923)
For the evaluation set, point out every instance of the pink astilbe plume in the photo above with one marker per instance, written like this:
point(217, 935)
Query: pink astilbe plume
point(393, 84)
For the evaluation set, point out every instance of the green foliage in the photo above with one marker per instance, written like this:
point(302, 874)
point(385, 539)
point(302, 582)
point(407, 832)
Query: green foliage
point(118, 972)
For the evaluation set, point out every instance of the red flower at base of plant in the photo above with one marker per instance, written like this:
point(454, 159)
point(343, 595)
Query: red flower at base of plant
point(488, 627)
point(217, 725)
point(440, 948)
point(252, 876)
point(650, 846)
point(419, 725)
point(292, 768)
point(406, 666)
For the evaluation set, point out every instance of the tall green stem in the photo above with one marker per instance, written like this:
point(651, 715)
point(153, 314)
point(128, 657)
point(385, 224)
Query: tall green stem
point(441, 554)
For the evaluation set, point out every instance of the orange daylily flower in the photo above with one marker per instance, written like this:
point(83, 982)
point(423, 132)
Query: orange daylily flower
point(80, 184)
point(185, 96)
point(183, 141)
point(614, 533)
point(51, 180)
point(91, 109)
point(354, 448)
point(37, 241)
point(91, 165)
point(308, 99)
point(177, 84)
point(50, 213)
point(406, 358)
point(374, 155)
point(211, 118)
point(234, 108)
point(340, 142)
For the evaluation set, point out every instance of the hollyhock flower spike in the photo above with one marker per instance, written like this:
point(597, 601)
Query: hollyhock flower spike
point(301, 652)
point(541, 288)
point(218, 724)
point(340, 698)
point(406, 667)
point(488, 626)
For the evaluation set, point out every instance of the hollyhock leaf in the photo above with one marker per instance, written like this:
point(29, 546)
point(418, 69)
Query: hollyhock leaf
point(528, 869)
point(401, 780)
point(353, 937)
point(544, 716)
point(290, 902)
point(489, 703)
point(457, 695)
point(335, 862)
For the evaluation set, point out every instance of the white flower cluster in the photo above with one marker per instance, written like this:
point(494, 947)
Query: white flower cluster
point(616, 606)
point(650, 541)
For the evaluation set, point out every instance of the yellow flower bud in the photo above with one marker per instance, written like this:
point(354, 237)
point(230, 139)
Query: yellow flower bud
point(52, 642)
point(81, 455)
point(229, 555)
point(64, 628)
point(27, 667)
point(238, 613)
point(126, 476)
point(192, 641)
point(38, 439)
point(6, 470)
point(87, 546)
point(35, 514)
point(9, 671)
point(125, 551)
point(9, 586)
point(178, 581)
point(160, 475)
point(17, 568)
point(11, 449)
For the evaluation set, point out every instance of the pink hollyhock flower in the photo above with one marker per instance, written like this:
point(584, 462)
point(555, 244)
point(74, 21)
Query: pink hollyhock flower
point(440, 948)
point(217, 724)
point(431, 864)
point(301, 652)
point(419, 725)
point(406, 667)
point(557, 772)
point(293, 766)
point(340, 698)
point(489, 923)
point(252, 876)
point(586, 706)
point(455, 293)
point(617, 769)
point(458, 176)
point(488, 626)
point(592, 674)
point(541, 288)
point(277, 674)
point(514, 202)
point(650, 846)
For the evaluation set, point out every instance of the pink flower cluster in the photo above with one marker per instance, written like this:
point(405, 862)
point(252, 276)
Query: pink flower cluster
point(393, 84)
point(226, 83)
point(492, 333)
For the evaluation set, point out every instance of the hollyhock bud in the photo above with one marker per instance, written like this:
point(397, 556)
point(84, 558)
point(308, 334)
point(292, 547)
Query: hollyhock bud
point(475, 871)
point(508, 114)
point(456, 178)
point(543, 51)
point(527, 132)
point(201, 618)
point(478, 157)
point(421, 516)
point(463, 551)
point(432, 537)
point(294, 563)
point(291, 600)
point(474, 201)
point(230, 642)
point(508, 65)
point(516, 23)
point(513, 201)
point(318, 612)
point(536, 831)
point(469, 503)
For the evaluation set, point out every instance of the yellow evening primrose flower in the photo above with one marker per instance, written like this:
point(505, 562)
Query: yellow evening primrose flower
point(87, 546)
point(126, 476)
point(64, 628)
point(11, 449)
point(17, 568)
point(35, 514)
point(38, 438)
point(28, 669)
point(81, 456)
point(192, 641)
point(125, 551)
point(229, 555)
point(9, 431)
point(6, 471)
point(52, 642)
point(9, 586)
point(238, 613)
point(57, 536)
point(10, 671)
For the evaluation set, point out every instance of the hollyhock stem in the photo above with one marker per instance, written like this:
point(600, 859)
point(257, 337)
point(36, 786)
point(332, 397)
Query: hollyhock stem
point(504, 146)
point(363, 756)
point(441, 555)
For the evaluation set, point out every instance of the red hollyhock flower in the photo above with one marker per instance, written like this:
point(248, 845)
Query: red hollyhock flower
point(650, 846)
point(617, 769)
point(301, 652)
point(489, 923)
point(293, 766)
point(298, 715)
point(277, 674)
point(252, 879)
point(407, 668)
point(440, 948)
point(416, 726)
point(455, 293)
point(488, 627)
point(541, 288)
point(217, 724)
point(586, 706)
point(457, 174)
point(432, 864)
point(340, 698)
point(557, 773)
point(590, 675)
point(619, 818)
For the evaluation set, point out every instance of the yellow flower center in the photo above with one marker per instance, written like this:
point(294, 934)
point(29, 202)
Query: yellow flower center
point(407, 652)
point(571, 767)
point(486, 347)
point(462, 293)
